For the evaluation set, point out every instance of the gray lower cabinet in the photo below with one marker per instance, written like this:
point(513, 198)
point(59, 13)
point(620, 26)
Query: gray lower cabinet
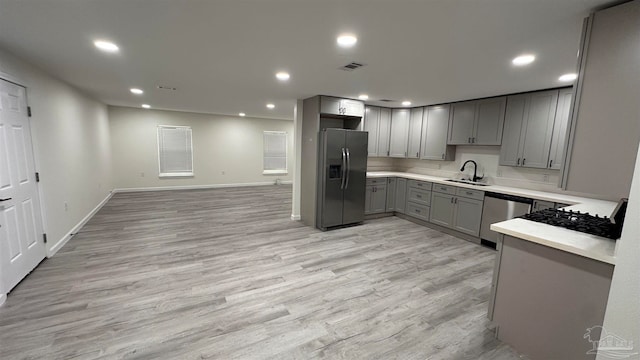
point(544, 300)
point(528, 128)
point(468, 215)
point(442, 209)
point(391, 194)
point(435, 126)
point(375, 199)
point(401, 195)
point(457, 208)
point(418, 199)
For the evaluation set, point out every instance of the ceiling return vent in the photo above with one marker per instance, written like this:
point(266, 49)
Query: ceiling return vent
point(352, 66)
point(164, 87)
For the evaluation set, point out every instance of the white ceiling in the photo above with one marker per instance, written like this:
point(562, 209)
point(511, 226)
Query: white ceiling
point(223, 55)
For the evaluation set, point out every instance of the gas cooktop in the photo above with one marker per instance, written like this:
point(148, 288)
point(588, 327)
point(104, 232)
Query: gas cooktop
point(577, 221)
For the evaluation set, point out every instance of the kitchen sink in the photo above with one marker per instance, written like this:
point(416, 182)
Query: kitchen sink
point(467, 182)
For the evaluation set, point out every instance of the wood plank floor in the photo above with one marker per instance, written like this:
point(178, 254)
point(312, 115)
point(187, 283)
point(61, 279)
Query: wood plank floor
point(225, 274)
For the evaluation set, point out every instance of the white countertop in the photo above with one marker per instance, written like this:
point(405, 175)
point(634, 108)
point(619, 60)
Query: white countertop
point(590, 246)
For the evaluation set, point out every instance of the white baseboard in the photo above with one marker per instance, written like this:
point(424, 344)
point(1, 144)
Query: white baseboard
point(195, 187)
point(58, 245)
point(295, 217)
point(3, 298)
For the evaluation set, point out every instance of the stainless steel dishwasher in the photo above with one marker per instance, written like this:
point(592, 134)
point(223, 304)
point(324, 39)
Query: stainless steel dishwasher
point(500, 207)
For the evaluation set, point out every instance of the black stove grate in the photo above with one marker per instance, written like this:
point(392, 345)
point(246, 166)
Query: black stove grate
point(574, 220)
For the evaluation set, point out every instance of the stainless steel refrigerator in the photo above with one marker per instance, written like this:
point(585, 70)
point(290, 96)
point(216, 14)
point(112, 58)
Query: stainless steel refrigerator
point(342, 177)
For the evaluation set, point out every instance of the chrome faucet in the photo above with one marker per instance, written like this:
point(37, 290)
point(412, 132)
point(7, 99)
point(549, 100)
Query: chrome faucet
point(475, 169)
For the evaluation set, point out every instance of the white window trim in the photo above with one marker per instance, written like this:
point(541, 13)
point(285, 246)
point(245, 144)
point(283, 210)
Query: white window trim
point(176, 174)
point(284, 171)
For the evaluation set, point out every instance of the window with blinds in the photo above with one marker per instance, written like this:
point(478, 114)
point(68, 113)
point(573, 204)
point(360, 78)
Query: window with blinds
point(275, 152)
point(175, 151)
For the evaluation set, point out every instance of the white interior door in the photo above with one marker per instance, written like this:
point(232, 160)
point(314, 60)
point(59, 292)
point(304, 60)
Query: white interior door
point(21, 244)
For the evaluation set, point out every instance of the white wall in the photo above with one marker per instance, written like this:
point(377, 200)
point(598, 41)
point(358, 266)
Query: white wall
point(228, 144)
point(71, 147)
point(623, 307)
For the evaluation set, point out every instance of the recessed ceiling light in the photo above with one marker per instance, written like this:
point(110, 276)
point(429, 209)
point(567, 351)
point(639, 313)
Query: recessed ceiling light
point(568, 77)
point(271, 106)
point(525, 59)
point(347, 40)
point(242, 114)
point(106, 46)
point(283, 76)
point(363, 97)
point(136, 91)
point(146, 106)
point(406, 103)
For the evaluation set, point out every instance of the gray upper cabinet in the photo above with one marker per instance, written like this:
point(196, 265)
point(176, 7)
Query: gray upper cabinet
point(477, 122)
point(398, 141)
point(336, 106)
point(415, 133)
point(510, 151)
point(384, 132)
point(559, 137)
point(528, 127)
point(489, 121)
point(371, 125)
point(462, 118)
point(435, 126)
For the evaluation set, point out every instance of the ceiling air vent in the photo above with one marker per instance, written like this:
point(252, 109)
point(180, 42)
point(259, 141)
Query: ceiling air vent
point(352, 66)
point(164, 87)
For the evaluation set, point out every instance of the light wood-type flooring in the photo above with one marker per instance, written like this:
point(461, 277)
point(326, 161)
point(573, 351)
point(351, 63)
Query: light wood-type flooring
point(225, 274)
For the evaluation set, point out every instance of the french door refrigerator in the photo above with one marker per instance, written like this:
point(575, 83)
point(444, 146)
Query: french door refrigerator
point(342, 177)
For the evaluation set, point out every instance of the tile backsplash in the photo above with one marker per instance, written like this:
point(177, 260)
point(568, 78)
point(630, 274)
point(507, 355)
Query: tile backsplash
point(487, 158)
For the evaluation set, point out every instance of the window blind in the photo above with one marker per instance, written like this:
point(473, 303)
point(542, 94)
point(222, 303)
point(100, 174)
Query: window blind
point(275, 152)
point(175, 151)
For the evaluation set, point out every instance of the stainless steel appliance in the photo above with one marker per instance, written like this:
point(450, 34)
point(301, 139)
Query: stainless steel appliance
point(342, 177)
point(500, 207)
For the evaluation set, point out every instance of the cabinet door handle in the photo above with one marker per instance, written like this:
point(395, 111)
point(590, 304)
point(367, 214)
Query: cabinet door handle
point(442, 156)
point(550, 162)
point(473, 140)
point(419, 196)
point(469, 140)
point(518, 163)
point(455, 200)
point(523, 159)
point(417, 155)
point(451, 200)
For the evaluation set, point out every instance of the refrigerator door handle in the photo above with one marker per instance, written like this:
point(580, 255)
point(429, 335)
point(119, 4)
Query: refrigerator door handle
point(344, 169)
point(346, 185)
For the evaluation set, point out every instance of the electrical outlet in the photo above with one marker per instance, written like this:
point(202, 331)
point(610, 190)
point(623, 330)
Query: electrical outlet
point(66, 206)
point(545, 178)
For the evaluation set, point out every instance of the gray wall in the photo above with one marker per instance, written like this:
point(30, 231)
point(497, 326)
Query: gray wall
point(71, 147)
point(228, 144)
point(607, 128)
